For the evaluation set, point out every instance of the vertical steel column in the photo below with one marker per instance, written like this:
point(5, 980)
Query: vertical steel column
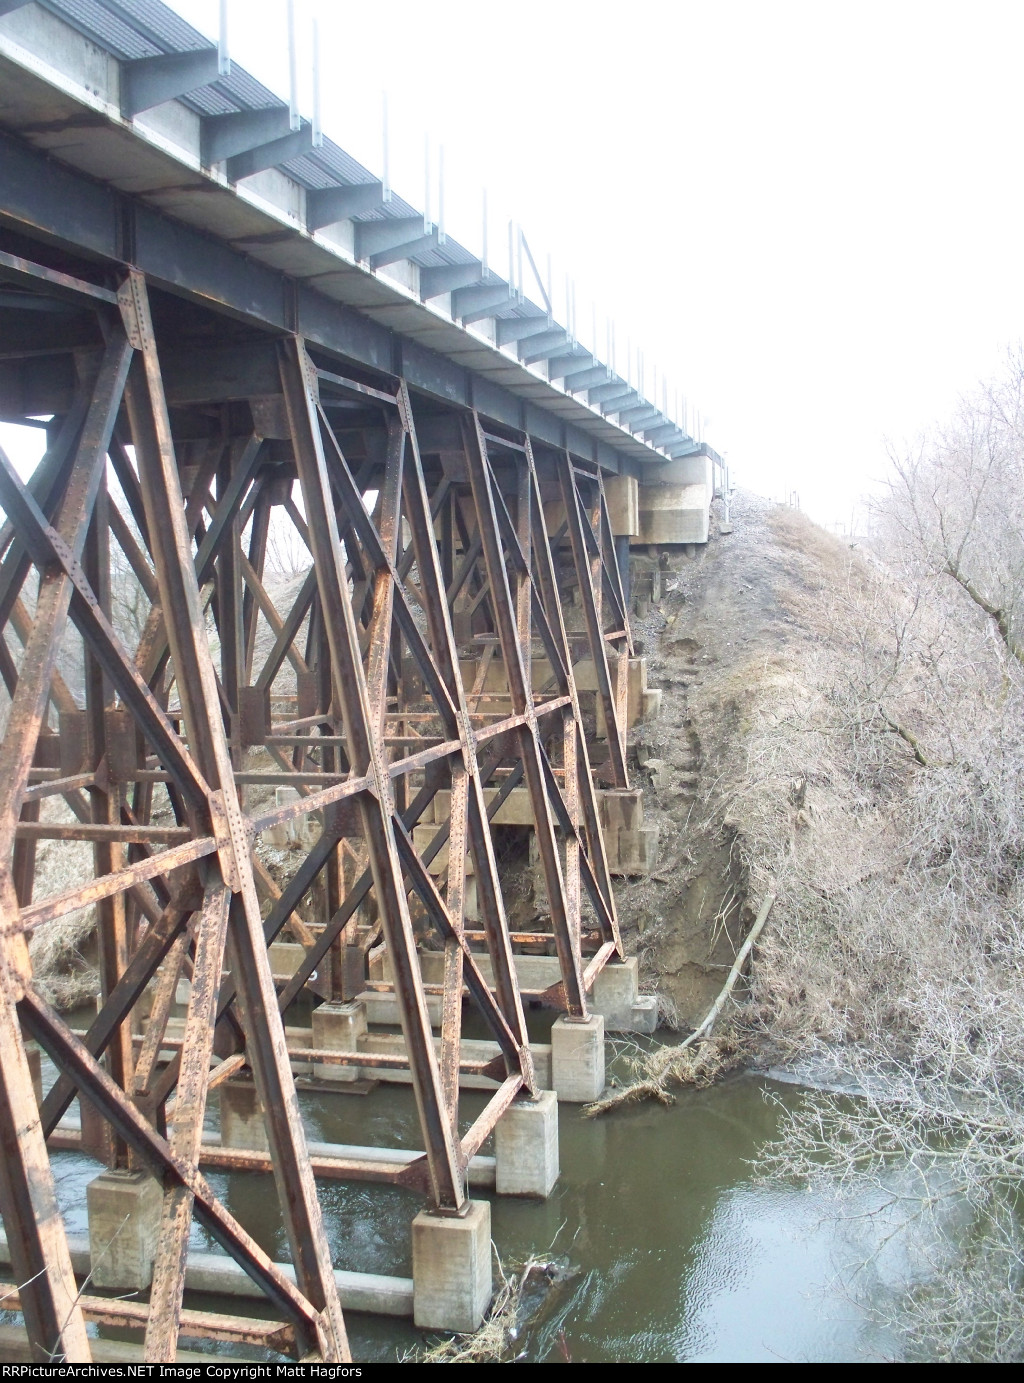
point(28, 1201)
point(522, 703)
point(111, 921)
point(589, 576)
point(230, 602)
point(473, 828)
point(583, 812)
point(197, 691)
point(620, 637)
point(366, 757)
point(168, 1285)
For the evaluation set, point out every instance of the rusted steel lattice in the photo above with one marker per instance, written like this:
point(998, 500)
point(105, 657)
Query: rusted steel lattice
point(420, 675)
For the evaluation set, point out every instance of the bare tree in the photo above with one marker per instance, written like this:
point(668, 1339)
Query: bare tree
point(287, 553)
point(897, 947)
point(956, 505)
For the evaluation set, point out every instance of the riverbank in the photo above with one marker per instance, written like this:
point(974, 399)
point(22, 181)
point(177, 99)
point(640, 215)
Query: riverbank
point(859, 720)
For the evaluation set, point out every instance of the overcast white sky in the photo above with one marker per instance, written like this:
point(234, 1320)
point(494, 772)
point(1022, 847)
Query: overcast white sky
point(808, 214)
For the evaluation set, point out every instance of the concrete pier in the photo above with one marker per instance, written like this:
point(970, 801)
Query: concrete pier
point(451, 1268)
point(616, 994)
point(338, 1027)
point(481, 1170)
point(577, 1058)
point(526, 1147)
point(382, 1009)
point(618, 1000)
point(242, 1122)
point(124, 1221)
point(285, 958)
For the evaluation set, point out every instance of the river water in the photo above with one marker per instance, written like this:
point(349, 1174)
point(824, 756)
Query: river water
point(670, 1248)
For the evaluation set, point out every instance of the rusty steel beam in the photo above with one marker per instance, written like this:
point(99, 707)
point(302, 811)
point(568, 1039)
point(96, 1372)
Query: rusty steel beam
point(69, 1054)
point(198, 697)
point(376, 812)
point(354, 694)
point(518, 675)
point(168, 1286)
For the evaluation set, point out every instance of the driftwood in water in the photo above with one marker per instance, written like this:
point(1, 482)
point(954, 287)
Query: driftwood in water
point(663, 1064)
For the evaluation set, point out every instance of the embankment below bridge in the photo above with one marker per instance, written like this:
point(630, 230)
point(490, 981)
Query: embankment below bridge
point(841, 731)
point(734, 637)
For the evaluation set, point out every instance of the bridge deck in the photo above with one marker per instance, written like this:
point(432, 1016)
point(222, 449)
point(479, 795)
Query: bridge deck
point(164, 190)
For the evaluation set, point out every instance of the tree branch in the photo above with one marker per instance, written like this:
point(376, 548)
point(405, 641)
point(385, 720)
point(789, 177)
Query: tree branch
point(999, 616)
point(906, 736)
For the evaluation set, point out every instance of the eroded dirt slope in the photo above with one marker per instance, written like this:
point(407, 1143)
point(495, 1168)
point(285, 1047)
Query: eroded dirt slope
point(731, 622)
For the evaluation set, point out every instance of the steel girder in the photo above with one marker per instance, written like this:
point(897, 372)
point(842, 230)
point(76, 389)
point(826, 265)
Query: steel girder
point(161, 739)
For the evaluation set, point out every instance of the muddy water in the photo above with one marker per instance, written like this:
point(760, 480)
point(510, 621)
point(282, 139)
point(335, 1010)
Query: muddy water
point(672, 1250)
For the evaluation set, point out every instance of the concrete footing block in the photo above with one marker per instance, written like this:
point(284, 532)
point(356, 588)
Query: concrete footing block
point(616, 990)
point(298, 831)
point(644, 1017)
point(577, 1059)
point(338, 1027)
point(124, 1223)
point(637, 851)
point(622, 809)
point(661, 774)
point(285, 958)
point(451, 1268)
point(650, 708)
point(526, 1147)
point(382, 1009)
point(616, 997)
point(242, 1122)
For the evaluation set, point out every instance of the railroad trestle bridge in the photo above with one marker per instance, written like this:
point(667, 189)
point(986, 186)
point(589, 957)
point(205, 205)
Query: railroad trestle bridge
point(316, 794)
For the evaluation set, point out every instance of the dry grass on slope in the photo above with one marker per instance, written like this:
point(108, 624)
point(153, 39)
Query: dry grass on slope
point(862, 754)
point(880, 797)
